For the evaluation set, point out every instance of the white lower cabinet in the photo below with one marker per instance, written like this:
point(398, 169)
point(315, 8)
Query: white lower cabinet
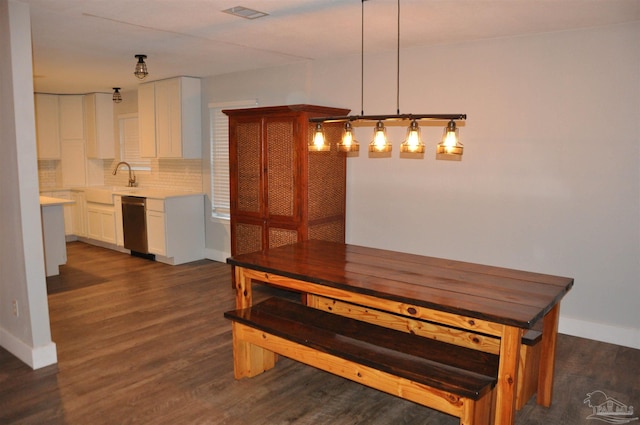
point(175, 228)
point(68, 209)
point(117, 209)
point(53, 238)
point(175, 224)
point(156, 235)
point(79, 212)
point(101, 222)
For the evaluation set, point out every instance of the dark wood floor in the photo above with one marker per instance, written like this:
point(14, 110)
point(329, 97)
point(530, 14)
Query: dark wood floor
point(141, 342)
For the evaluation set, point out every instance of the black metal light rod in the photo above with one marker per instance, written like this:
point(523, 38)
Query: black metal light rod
point(440, 117)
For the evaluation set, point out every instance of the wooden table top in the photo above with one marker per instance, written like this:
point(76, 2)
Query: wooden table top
point(501, 295)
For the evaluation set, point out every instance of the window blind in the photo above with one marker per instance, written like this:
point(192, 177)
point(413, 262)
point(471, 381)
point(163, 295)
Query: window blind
point(130, 144)
point(220, 202)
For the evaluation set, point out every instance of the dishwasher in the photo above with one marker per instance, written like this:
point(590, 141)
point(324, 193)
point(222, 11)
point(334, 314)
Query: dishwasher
point(134, 225)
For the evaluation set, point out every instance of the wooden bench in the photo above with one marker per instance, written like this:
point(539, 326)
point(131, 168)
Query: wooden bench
point(529, 353)
point(455, 380)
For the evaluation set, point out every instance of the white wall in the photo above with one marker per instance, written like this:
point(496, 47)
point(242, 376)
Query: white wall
point(22, 276)
point(550, 178)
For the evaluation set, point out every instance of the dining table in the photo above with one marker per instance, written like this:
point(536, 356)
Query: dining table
point(483, 300)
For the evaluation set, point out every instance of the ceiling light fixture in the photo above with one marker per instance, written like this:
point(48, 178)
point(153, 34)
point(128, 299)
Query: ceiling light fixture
point(117, 97)
point(141, 67)
point(413, 144)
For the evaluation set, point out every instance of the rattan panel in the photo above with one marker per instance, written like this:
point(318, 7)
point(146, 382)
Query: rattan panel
point(333, 231)
point(248, 238)
point(272, 167)
point(281, 168)
point(327, 178)
point(249, 166)
point(279, 237)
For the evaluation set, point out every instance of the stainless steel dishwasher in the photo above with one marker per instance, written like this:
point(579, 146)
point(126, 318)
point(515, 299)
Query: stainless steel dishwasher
point(134, 224)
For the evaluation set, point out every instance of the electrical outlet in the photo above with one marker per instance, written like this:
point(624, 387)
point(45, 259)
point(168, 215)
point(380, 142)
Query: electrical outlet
point(16, 312)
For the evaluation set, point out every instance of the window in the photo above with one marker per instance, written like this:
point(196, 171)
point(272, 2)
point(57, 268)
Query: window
point(220, 204)
point(130, 143)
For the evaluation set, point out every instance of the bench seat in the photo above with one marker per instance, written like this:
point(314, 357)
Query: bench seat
point(453, 379)
point(530, 349)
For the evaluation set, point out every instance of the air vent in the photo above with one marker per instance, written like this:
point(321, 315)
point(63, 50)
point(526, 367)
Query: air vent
point(246, 13)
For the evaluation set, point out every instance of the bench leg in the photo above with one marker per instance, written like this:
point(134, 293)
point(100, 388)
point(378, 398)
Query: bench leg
point(248, 359)
point(478, 412)
point(527, 374)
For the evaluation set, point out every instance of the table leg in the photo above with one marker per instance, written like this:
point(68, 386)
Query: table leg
point(243, 289)
point(548, 356)
point(510, 343)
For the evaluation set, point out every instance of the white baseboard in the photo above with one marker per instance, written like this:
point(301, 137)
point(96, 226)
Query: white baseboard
point(103, 244)
point(215, 255)
point(628, 337)
point(34, 357)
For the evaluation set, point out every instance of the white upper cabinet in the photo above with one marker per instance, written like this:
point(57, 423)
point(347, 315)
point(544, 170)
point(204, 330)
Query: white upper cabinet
point(71, 117)
point(47, 126)
point(72, 140)
point(147, 120)
point(98, 108)
point(169, 114)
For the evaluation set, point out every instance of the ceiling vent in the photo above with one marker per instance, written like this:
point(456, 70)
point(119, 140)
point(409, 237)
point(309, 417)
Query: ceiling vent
point(246, 13)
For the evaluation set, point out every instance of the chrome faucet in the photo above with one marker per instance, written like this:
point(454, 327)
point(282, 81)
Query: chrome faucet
point(132, 178)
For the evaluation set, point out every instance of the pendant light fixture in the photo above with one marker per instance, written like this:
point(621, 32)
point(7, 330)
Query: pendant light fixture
point(380, 143)
point(141, 67)
point(318, 142)
point(412, 144)
point(348, 142)
point(450, 144)
point(117, 97)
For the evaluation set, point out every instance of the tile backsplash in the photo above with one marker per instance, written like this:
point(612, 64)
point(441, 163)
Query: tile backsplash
point(49, 174)
point(172, 174)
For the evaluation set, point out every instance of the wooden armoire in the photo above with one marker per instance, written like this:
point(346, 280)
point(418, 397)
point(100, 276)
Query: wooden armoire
point(280, 192)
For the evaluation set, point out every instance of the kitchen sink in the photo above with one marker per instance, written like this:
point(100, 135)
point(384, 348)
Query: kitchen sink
point(104, 194)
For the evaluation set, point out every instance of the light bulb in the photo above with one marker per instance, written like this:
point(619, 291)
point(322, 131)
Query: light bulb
point(450, 143)
point(380, 142)
point(413, 143)
point(318, 142)
point(347, 139)
point(348, 142)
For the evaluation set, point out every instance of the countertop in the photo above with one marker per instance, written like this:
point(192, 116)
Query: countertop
point(154, 193)
point(144, 192)
point(47, 201)
point(104, 194)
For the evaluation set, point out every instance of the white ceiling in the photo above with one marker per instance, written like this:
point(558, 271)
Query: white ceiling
point(82, 46)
